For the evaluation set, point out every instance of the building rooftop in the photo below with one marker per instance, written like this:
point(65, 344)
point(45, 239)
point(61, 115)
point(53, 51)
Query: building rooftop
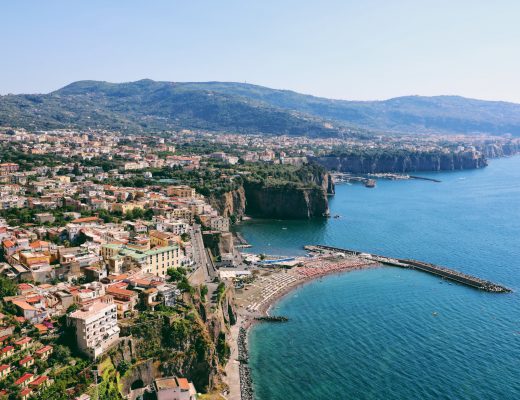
point(23, 378)
point(25, 360)
point(43, 350)
point(24, 305)
point(23, 341)
point(38, 381)
point(92, 309)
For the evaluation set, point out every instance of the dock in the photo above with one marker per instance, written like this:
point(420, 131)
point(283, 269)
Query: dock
point(443, 272)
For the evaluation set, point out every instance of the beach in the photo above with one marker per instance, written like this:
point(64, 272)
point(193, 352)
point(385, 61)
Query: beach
point(254, 301)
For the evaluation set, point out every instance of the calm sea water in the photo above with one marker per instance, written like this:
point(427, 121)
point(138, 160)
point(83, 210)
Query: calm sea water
point(373, 334)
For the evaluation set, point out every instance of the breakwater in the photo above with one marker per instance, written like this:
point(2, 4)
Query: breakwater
point(246, 382)
point(443, 272)
point(270, 318)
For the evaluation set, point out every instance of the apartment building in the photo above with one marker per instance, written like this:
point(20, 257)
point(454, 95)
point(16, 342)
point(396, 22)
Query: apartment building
point(180, 191)
point(96, 326)
point(156, 261)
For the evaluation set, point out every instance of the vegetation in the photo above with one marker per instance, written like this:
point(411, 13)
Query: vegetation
point(7, 287)
point(148, 106)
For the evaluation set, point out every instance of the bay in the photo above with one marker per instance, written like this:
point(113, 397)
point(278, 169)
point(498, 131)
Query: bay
point(389, 333)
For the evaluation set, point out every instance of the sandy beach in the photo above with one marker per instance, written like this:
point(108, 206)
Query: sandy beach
point(268, 287)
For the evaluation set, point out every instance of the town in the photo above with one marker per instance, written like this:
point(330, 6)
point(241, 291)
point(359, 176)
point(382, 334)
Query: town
point(106, 238)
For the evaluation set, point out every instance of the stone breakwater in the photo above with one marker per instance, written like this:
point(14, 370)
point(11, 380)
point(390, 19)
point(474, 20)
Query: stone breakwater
point(246, 382)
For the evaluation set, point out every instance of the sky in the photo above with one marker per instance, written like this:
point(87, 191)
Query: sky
point(357, 50)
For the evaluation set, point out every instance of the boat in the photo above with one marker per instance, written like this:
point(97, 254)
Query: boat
point(336, 216)
point(370, 183)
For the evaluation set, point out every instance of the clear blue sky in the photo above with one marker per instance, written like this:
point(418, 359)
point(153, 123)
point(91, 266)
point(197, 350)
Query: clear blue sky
point(364, 49)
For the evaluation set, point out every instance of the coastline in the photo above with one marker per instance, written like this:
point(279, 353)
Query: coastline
point(239, 383)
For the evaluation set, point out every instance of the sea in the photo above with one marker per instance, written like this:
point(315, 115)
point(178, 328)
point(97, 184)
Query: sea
point(388, 333)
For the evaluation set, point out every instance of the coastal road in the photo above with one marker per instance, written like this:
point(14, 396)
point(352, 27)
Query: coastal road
point(200, 256)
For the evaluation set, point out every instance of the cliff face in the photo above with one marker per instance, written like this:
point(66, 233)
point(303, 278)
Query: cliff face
point(305, 196)
point(190, 345)
point(413, 162)
point(285, 202)
point(495, 150)
point(323, 180)
point(230, 203)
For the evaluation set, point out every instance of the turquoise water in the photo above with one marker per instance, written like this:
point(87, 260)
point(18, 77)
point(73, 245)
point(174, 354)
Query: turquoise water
point(373, 334)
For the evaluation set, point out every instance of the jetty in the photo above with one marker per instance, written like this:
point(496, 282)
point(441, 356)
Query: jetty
point(443, 272)
point(269, 318)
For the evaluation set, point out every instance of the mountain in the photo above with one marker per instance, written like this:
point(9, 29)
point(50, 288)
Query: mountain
point(409, 114)
point(155, 106)
point(147, 105)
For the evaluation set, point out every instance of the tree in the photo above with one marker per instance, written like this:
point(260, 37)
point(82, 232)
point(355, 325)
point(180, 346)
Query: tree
point(176, 274)
point(7, 287)
point(72, 308)
point(76, 171)
point(122, 367)
point(203, 292)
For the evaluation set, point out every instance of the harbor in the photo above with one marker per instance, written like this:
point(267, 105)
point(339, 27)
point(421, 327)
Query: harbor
point(443, 272)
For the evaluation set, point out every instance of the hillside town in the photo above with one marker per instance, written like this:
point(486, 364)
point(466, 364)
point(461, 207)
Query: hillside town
point(83, 254)
point(101, 233)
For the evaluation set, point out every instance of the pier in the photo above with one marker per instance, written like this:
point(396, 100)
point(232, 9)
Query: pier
point(444, 273)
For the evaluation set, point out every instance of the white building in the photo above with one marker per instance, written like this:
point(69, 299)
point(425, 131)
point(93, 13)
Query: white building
point(156, 261)
point(96, 326)
point(219, 224)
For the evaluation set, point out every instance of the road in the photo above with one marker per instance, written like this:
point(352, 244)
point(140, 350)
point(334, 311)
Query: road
point(201, 258)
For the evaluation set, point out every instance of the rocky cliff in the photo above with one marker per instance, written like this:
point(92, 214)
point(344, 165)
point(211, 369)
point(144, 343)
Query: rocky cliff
point(285, 201)
point(230, 203)
point(300, 196)
point(191, 344)
point(501, 149)
point(402, 163)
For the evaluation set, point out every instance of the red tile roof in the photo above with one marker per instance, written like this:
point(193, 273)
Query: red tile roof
point(121, 292)
point(41, 328)
point(7, 349)
point(39, 243)
point(38, 381)
point(24, 286)
point(85, 219)
point(43, 350)
point(33, 299)
point(24, 305)
point(4, 367)
point(8, 243)
point(183, 383)
point(23, 378)
point(25, 360)
point(22, 341)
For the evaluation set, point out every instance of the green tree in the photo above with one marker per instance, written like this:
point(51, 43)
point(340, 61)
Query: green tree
point(7, 287)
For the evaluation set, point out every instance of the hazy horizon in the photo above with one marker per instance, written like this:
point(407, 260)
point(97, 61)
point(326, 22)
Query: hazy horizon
point(335, 49)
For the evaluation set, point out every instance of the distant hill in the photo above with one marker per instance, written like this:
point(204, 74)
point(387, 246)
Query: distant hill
point(243, 108)
point(409, 114)
point(156, 106)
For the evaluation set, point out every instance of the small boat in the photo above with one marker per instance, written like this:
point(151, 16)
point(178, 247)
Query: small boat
point(435, 313)
point(370, 183)
point(336, 216)
point(284, 228)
